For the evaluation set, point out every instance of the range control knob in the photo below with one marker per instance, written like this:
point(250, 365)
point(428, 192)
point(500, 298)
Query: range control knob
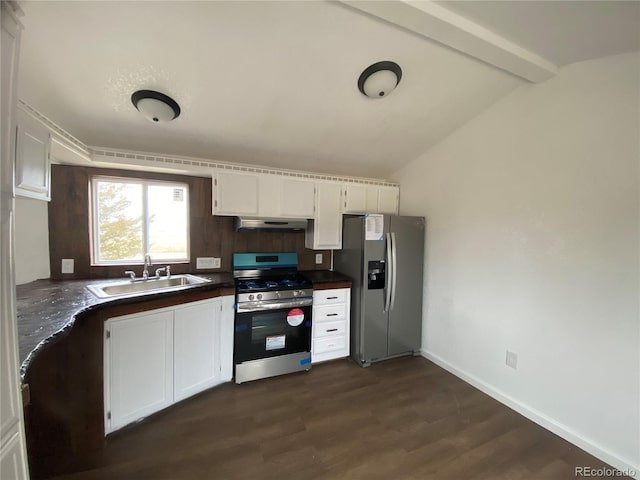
point(296, 293)
point(251, 297)
point(259, 296)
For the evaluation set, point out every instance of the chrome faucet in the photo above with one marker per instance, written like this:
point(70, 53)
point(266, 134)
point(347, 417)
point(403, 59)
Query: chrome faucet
point(145, 271)
point(163, 269)
point(147, 264)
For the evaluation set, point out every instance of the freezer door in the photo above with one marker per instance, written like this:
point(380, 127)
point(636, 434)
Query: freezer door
point(405, 315)
point(349, 261)
point(374, 320)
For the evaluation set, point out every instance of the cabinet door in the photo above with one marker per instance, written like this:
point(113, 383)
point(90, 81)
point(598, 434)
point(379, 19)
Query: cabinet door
point(297, 198)
point(235, 194)
point(388, 200)
point(325, 231)
point(33, 171)
point(361, 199)
point(196, 348)
point(355, 199)
point(269, 196)
point(138, 367)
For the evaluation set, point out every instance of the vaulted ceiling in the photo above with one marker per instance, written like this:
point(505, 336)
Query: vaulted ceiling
point(274, 83)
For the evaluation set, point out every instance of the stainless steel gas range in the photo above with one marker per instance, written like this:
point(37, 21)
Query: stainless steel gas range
point(273, 316)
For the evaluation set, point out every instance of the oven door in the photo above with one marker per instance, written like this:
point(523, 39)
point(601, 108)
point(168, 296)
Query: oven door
point(272, 332)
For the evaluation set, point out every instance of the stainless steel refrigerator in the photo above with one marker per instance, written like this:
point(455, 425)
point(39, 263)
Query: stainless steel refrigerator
point(384, 255)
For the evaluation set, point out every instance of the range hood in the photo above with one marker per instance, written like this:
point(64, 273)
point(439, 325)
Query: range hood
point(271, 224)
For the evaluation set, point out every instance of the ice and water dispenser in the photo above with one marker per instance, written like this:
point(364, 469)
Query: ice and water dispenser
point(376, 274)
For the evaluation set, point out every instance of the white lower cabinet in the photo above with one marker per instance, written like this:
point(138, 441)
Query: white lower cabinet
point(156, 358)
point(196, 355)
point(331, 324)
point(140, 366)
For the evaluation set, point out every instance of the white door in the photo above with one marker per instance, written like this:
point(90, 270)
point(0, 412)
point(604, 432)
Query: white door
point(297, 198)
point(268, 196)
point(138, 366)
point(13, 463)
point(355, 199)
point(326, 229)
point(235, 194)
point(196, 348)
point(388, 200)
point(33, 171)
point(12, 460)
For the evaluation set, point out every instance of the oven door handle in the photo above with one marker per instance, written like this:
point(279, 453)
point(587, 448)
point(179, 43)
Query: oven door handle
point(262, 306)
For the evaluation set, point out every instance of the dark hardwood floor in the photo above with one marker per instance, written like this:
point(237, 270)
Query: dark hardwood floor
point(401, 419)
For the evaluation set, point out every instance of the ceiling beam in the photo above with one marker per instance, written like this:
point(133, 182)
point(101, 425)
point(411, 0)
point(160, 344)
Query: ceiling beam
point(433, 21)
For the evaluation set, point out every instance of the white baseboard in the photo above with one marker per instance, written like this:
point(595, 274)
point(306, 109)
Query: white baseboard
point(541, 419)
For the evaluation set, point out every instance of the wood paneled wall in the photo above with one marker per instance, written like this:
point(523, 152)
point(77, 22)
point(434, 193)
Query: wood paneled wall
point(210, 236)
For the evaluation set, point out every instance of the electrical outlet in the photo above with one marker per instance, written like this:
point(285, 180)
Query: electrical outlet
point(207, 262)
point(67, 265)
point(318, 258)
point(512, 360)
point(204, 262)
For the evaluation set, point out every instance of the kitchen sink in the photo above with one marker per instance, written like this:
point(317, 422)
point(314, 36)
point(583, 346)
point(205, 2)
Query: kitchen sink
point(130, 287)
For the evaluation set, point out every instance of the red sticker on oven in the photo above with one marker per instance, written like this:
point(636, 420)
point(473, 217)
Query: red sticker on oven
point(295, 317)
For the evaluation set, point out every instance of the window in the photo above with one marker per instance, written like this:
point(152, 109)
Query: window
point(132, 217)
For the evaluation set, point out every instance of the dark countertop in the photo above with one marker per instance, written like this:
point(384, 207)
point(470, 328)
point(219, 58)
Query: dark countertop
point(47, 308)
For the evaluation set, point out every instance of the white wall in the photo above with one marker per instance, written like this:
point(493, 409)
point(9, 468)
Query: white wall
point(31, 240)
point(533, 246)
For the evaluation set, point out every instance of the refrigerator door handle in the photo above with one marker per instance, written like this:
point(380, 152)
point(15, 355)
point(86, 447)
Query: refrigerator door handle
point(394, 272)
point(387, 293)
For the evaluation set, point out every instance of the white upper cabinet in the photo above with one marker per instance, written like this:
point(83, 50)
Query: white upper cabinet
point(268, 196)
point(274, 196)
point(325, 230)
point(235, 194)
point(360, 199)
point(262, 195)
point(388, 200)
point(33, 170)
point(355, 199)
point(297, 198)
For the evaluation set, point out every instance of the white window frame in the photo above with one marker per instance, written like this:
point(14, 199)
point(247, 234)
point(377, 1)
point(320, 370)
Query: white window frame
point(145, 212)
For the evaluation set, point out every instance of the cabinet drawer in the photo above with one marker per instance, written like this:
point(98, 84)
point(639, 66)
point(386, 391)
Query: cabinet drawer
point(325, 329)
point(322, 297)
point(328, 344)
point(330, 313)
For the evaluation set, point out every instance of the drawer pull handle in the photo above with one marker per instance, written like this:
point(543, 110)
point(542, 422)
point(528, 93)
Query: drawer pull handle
point(332, 330)
point(332, 298)
point(332, 314)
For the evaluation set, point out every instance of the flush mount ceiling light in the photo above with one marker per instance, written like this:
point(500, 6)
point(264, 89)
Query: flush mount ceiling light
point(379, 80)
point(155, 106)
